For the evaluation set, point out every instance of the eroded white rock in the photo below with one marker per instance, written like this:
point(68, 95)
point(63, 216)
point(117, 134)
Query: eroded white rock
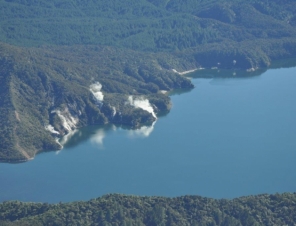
point(51, 129)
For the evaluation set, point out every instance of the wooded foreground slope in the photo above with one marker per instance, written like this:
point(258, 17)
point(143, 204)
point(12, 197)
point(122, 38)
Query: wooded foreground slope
point(265, 210)
point(51, 52)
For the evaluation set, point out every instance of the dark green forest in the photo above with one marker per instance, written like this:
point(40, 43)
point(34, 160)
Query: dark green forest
point(254, 32)
point(265, 210)
point(52, 51)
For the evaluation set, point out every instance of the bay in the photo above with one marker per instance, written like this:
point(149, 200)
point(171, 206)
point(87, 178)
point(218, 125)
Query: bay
point(232, 135)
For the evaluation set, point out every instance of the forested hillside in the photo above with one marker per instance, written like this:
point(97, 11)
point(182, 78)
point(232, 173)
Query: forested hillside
point(72, 63)
point(145, 25)
point(252, 32)
point(48, 93)
point(260, 210)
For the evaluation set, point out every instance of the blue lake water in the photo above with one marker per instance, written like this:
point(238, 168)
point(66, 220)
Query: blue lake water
point(226, 138)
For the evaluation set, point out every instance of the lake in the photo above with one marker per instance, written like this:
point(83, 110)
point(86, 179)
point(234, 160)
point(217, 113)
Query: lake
point(232, 135)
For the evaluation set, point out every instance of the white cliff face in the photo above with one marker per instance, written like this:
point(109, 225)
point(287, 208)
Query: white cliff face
point(142, 103)
point(58, 142)
point(96, 91)
point(184, 72)
point(51, 129)
point(69, 122)
point(114, 111)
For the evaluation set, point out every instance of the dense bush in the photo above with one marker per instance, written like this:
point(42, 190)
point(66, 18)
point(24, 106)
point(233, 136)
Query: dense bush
point(278, 209)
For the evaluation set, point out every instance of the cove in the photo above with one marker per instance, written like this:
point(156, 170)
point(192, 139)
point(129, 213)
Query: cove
point(232, 135)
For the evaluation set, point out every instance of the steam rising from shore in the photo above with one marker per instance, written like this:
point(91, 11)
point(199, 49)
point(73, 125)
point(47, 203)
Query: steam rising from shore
point(96, 91)
point(142, 103)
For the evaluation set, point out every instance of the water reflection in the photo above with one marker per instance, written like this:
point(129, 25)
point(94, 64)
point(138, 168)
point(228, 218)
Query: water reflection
point(287, 63)
point(96, 134)
point(179, 91)
point(236, 73)
point(67, 137)
point(223, 73)
point(98, 137)
point(144, 131)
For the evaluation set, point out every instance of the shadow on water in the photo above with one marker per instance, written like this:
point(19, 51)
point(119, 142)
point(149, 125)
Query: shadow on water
point(163, 114)
point(238, 73)
point(226, 73)
point(179, 91)
point(287, 63)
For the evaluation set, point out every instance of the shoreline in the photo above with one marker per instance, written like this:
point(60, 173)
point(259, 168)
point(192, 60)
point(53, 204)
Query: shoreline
point(283, 63)
point(17, 161)
point(186, 72)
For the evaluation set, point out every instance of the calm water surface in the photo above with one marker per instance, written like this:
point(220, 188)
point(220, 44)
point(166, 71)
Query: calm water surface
point(226, 138)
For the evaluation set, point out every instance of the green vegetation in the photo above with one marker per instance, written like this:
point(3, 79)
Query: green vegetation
point(265, 210)
point(41, 80)
point(251, 32)
point(52, 51)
